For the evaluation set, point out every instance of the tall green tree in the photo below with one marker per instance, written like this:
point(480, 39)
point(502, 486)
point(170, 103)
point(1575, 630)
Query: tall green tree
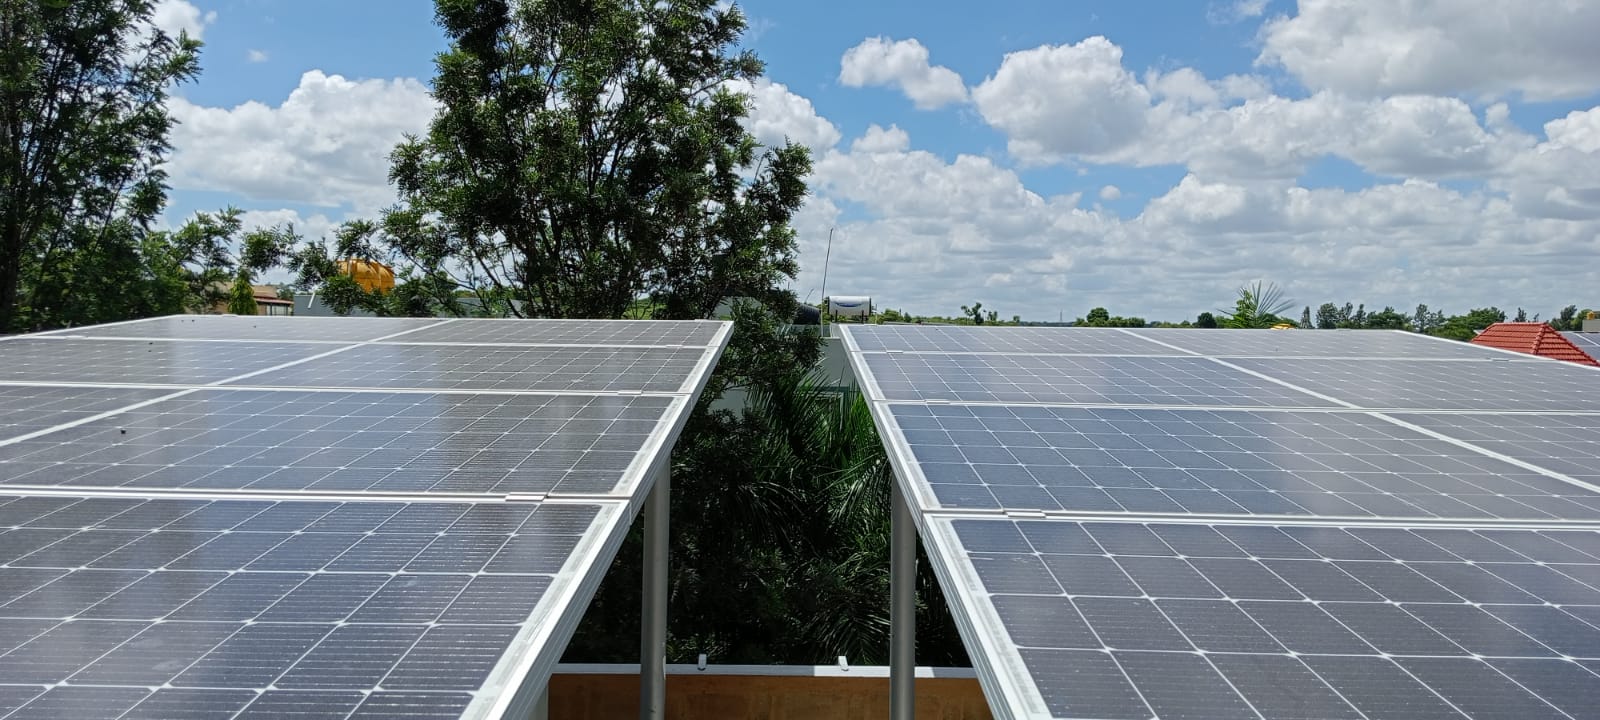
point(974, 311)
point(1327, 316)
point(83, 132)
point(1205, 320)
point(242, 296)
point(1305, 319)
point(590, 153)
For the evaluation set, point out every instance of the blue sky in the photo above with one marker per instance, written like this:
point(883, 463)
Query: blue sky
point(1043, 157)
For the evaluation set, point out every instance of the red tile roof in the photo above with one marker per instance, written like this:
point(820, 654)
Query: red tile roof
point(1533, 338)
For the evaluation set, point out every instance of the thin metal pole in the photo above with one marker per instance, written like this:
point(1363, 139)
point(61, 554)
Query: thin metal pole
point(902, 609)
point(653, 611)
point(825, 258)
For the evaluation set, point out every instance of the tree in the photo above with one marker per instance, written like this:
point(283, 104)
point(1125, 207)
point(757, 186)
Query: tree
point(1568, 319)
point(1305, 318)
point(83, 132)
point(1387, 319)
point(590, 154)
point(242, 296)
point(1327, 316)
point(1258, 306)
point(1100, 317)
point(975, 311)
point(1522, 315)
point(1465, 327)
point(1205, 320)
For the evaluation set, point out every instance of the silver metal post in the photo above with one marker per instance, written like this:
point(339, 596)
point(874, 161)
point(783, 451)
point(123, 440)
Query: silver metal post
point(653, 613)
point(902, 609)
point(541, 707)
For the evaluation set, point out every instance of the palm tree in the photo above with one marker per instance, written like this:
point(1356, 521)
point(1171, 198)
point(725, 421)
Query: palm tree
point(1258, 306)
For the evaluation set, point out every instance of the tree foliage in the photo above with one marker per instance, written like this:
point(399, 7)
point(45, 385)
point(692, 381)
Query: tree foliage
point(242, 296)
point(1258, 306)
point(1101, 317)
point(780, 541)
point(974, 311)
point(83, 132)
point(587, 154)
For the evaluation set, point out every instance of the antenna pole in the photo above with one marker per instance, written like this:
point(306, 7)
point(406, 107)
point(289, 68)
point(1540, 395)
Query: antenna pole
point(825, 258)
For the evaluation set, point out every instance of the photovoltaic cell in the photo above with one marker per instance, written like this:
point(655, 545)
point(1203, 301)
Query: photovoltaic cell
point(287, 604)
point(1568, 444)
point(1148, 461)
point(284, 441)
point(1505, 385)
point(168, 608)
point(1587, 342)
point(30, 408)
point(68, 360)
point(475, 367)
point(1394, 344)
point(570, 332)
point(1201, 621)
point(1228, 572)
point(958, 339)
point(220, 327)
point(1075, 380)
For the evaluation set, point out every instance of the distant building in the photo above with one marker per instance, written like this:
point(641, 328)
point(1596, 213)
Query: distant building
point(267, 300)
point(1533, 338)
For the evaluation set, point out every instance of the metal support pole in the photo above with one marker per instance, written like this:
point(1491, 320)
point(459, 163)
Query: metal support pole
point(902, 609)
point(541, 707)
point(653, 611)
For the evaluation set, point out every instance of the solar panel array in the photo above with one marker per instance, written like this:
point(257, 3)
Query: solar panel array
point(319, 518)
point(1226, 524)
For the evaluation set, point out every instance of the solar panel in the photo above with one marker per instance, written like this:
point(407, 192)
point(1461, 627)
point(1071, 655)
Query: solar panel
point(1159, 342)
point(571, 332)
point(1141, 620)
point(1229, 462)
point(1073, 380)
point(30, 408)
point(289, 441)
point(1284, 524)
point(181, 608)
point(1514, 385)
point(1567, 444)
point(488, 367)
point(1397, 344)
point(960, 339)
point(411, 534)
point(1588, 342)
point(228, 327)
point(67, 360)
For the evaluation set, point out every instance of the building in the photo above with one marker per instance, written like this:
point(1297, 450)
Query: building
point(1533, 338)
point(267, 300)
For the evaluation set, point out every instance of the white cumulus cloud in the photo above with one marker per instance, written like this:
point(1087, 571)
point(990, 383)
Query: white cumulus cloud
point(778, 115)
point(326, 144)
point(881, 62)
point(175, 16)
point(1541, 49)
point(1059, 100)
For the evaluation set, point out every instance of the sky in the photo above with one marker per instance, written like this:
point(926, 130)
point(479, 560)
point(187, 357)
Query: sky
point(1038, 156)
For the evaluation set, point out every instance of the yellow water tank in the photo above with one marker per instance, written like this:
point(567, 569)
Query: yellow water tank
point(369, 274)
